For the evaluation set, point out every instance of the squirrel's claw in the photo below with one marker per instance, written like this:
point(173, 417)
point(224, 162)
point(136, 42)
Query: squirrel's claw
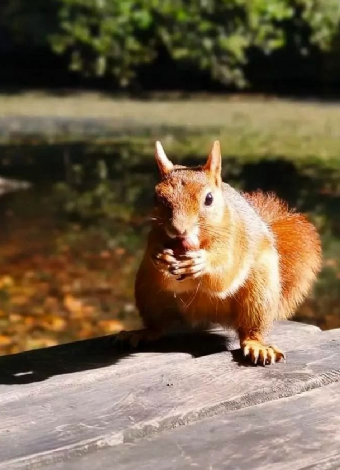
point(198, 254)
point(190, 265)
point(165, 261)
point(191, 269)
point(259, 353)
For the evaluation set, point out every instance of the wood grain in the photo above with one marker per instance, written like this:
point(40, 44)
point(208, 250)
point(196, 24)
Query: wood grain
point(297, 433)
point(75, 399)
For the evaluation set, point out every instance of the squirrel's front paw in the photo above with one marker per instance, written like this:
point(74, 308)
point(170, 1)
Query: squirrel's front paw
point(192, 265)
point(165, 260)
point(260, 353)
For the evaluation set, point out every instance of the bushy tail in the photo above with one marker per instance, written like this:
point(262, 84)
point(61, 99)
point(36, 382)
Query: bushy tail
point(299, 248)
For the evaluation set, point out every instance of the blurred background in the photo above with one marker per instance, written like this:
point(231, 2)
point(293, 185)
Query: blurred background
point(86, 86)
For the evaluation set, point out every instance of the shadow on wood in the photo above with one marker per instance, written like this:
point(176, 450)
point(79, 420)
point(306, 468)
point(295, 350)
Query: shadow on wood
point(40, 364)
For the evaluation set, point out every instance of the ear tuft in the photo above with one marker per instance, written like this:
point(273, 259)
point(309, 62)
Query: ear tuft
point(214, 162)
point(164, 164)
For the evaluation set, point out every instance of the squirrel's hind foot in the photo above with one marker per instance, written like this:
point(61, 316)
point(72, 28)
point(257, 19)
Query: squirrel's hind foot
point(261, 354)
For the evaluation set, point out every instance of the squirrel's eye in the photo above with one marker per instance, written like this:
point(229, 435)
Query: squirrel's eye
point(208, 199)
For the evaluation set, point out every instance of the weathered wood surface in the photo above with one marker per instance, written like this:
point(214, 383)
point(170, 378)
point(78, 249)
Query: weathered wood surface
point(185, 402)
point(296, 433)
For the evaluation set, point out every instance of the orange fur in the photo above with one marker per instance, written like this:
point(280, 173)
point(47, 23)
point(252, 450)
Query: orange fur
point(298, 245)
point(256, 259)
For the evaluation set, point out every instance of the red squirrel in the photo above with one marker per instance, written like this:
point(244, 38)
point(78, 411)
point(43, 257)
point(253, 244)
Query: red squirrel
point(218, 256)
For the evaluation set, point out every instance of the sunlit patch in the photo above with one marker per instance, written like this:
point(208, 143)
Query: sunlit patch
point(20, 374)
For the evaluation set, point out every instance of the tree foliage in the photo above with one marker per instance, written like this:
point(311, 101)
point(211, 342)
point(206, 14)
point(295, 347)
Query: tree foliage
point(116, 37)
point(106, 36)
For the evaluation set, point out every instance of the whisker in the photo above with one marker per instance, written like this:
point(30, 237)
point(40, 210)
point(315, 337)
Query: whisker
point(194, 296)
point(156, 221)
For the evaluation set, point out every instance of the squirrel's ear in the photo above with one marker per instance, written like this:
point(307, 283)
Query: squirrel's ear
point(164, 164)
point(214, 162)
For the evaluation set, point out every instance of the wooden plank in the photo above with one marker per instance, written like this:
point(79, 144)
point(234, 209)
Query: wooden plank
point(141, 396)
point(42, 371)
point(293, 434)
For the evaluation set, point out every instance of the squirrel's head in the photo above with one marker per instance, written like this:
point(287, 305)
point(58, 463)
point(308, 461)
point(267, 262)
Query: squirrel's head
point(189, 200)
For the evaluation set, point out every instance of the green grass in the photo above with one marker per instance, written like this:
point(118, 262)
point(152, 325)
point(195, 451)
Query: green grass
point(248, 128)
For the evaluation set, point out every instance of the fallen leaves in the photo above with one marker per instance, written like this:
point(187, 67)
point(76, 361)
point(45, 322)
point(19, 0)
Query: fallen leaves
point(6, 281)
point(5, 341)
point(48, 297)
point(53, 323)
point(110, 326)
point(73, 305)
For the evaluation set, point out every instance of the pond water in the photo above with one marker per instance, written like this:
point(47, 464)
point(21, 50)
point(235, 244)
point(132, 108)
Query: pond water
point(70, 245)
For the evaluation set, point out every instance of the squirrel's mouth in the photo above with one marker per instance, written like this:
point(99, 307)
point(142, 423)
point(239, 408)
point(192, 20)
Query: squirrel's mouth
point(190, 239)
point(182, 244)
point(187, 238)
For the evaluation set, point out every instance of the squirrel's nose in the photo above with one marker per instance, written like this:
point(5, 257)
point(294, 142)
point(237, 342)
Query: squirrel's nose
point(176, 232)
